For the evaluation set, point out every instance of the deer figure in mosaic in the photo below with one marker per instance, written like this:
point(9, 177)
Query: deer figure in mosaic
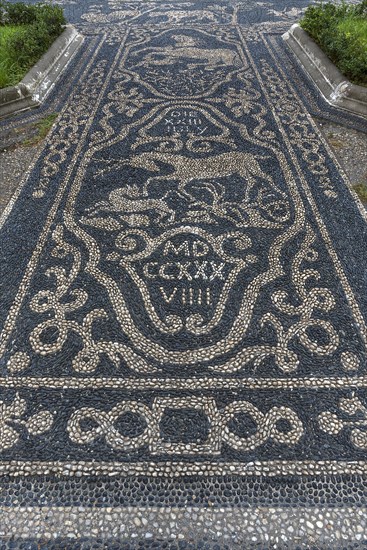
point(132, 199)
point(186, 48)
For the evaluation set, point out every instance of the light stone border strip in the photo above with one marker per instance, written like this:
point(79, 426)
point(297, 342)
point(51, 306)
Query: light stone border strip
point(139, 384)
point(172, 469)
point(40, 80)
point(281, 527)
point(332, 84)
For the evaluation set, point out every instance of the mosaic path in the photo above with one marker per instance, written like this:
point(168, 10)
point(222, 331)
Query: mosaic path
point(183, 282)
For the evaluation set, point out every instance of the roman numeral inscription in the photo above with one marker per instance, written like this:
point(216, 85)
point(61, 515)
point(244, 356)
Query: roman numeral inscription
point(190, 267)
point(181, 121)
point(205, 270)
point(195, 249)
point(189, 296)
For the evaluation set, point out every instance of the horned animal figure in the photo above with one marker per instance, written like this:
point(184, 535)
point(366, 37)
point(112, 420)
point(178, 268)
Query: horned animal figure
point(131, 199)
point(186, 169)
point(176, 16)
point(186, 47)
point(99, 17)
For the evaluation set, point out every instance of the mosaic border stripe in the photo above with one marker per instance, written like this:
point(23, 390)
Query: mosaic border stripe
point(181, 469)
point(188, 384)
point(219, 491)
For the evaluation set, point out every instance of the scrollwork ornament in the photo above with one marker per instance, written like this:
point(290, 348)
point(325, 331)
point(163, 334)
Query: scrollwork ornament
point(67, 132)
point(266, 426)
point(303, 306)
point(126, 102)
point(333, 423)
point(298, 127)
point(63, 301)
point(104, 425)
point(12, 422)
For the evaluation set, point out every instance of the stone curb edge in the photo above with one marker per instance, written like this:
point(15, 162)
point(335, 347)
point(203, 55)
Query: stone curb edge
point(38, 82)
point(336, 89)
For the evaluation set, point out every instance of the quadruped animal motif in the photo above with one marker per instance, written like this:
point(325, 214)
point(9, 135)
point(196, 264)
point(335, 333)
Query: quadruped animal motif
point(129, 200)
point(176, 16)
point(101, 18)
point(132, 199)
point(186, 48)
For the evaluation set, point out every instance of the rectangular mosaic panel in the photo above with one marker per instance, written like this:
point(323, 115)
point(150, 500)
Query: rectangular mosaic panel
point(180, 295)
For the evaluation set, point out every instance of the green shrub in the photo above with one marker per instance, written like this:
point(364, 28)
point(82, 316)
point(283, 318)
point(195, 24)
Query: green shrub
point(341, 31)
point(10, 71)
point(21, 14)
point(52, 16)
point(26, 33)
point(29, 14)
point(2, 12)
point(28, 45)
point(361, 9)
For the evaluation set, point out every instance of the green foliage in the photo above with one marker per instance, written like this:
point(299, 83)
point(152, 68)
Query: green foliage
point(43, 127)
point(21, 14)
point(361, 9)
point(10, 71)
point(341, 31)
point(32, 28)
point(28, 44)
point(33, 14)
point(52, 16)
point(361, 190)
point(29, 14)
point(2, 12)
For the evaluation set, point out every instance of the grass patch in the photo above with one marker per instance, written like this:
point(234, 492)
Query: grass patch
point(341, 32)
point(10, 71)
point(361, 190)
point(26, 33)
point(43, 127)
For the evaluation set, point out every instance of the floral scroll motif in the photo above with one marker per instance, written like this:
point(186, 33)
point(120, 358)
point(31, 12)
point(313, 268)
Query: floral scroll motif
point(67, 133)
point(333, 424)
point(299, 130)
point(61, 302)
point(310, 301)
point(11, 422)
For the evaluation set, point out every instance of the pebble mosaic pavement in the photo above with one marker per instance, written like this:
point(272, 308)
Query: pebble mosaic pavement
point(183, 282)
